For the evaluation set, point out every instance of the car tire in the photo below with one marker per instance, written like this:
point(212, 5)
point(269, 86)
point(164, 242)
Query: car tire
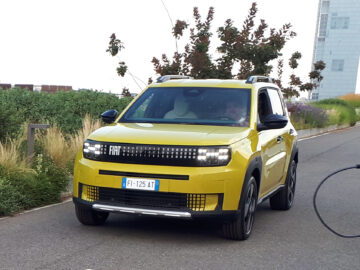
point(284, 199)
point(88, 216)
point(240, 227)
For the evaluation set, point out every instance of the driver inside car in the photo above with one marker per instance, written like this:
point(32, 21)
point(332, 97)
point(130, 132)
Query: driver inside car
point(236, 111)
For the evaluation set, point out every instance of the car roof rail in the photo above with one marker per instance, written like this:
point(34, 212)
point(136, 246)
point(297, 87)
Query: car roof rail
point(257, 78)
point(172, 77)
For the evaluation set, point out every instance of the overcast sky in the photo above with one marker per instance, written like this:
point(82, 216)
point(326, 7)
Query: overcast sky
point(64, 42)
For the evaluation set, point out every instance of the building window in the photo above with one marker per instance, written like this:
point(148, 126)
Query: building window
point(340, 22)
point(315, 96)
point(325, 6)
point(337, 65)
point(323, 24)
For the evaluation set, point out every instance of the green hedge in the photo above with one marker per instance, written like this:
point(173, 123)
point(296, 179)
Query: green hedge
point(25, 190)
point(345, 113)
point(322, 113)
point(65, 109)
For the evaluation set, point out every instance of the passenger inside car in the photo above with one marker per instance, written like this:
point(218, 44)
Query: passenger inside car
point(181, 109)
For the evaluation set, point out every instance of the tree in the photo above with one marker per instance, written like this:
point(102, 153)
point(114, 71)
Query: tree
point(126, 92)
point(252, 48)
point(295, 84)
point(115, 46)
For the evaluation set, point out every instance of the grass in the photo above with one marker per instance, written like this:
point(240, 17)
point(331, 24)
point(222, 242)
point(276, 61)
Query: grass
point(56, 146)
point(352, 99)
point(76, 141)
point(63, 149)
point(60, 148)
point(24, 185)
point(11, 159)
point(27, 184)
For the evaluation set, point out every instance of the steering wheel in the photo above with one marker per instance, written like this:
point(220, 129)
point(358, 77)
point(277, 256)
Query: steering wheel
point(225, 118)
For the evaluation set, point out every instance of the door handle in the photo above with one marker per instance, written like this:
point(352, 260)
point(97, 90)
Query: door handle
point(279, 139)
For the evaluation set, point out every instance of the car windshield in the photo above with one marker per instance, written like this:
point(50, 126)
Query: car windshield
point(191, 105)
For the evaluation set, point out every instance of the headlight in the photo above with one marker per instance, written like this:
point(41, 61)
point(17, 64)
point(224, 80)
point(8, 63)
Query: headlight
point(214, 156)
point(92, 149)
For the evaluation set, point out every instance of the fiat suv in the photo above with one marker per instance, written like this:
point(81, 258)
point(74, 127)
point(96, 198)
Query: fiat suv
point(189, 149)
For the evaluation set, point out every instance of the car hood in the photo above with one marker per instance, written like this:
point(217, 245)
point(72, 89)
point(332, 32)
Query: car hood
point(170, 134)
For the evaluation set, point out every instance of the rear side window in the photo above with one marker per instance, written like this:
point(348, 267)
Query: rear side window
point(276, 104)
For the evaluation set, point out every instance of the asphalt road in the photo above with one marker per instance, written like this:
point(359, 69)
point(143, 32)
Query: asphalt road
point(52, 238)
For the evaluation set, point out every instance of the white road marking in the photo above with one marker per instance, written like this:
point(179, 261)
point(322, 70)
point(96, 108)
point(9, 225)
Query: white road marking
point(314, 136)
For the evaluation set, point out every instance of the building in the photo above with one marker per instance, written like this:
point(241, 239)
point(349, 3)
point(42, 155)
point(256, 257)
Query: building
point(337, 43)
point(38, 88)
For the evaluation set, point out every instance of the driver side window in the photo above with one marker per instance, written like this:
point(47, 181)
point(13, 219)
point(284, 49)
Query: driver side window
point(264, 106)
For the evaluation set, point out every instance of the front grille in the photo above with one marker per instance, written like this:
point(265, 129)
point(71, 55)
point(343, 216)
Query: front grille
point(149, 199)
point(171, 155)
point(143, 198)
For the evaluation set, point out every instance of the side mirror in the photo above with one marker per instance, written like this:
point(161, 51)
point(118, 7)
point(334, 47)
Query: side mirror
point(273, 121)
point(109, 116)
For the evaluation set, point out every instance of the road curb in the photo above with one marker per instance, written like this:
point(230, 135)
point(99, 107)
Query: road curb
point(69, 190)
point(306, 133)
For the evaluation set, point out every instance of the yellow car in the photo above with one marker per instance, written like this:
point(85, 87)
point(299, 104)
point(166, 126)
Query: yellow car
point(188, 148)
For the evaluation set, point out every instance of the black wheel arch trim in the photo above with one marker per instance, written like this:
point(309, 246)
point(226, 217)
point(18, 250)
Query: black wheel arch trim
point(255, 165)
point(294, 152)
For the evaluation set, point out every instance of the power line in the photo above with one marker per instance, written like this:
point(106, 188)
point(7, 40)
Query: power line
point(172, 24)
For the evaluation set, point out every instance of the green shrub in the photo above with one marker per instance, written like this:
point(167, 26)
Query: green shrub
point(332, 101)
point(43, 184)
point(352, 99)
point(305, 116)
point(10, 197)
point(10, 121)
point(354, 103)
point(24, 190)
point(65, 109)
point(340, 111)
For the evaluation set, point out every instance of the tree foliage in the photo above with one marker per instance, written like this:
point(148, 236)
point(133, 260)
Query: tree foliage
point(251, 48)
point(244, 51)
point(295, 83)
point(125, 92)
point(115, 46)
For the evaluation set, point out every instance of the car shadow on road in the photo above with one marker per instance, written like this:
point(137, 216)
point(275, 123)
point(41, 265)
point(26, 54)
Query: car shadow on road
point(168, 229)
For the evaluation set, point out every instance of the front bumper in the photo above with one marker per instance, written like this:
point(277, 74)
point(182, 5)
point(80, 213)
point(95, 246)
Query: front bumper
point(156, 212)
point(226, 180)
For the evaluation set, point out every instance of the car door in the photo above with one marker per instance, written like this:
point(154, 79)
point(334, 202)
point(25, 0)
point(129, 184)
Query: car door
point(272, 141)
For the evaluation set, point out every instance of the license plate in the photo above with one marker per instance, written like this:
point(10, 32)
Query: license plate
point(142, 184)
